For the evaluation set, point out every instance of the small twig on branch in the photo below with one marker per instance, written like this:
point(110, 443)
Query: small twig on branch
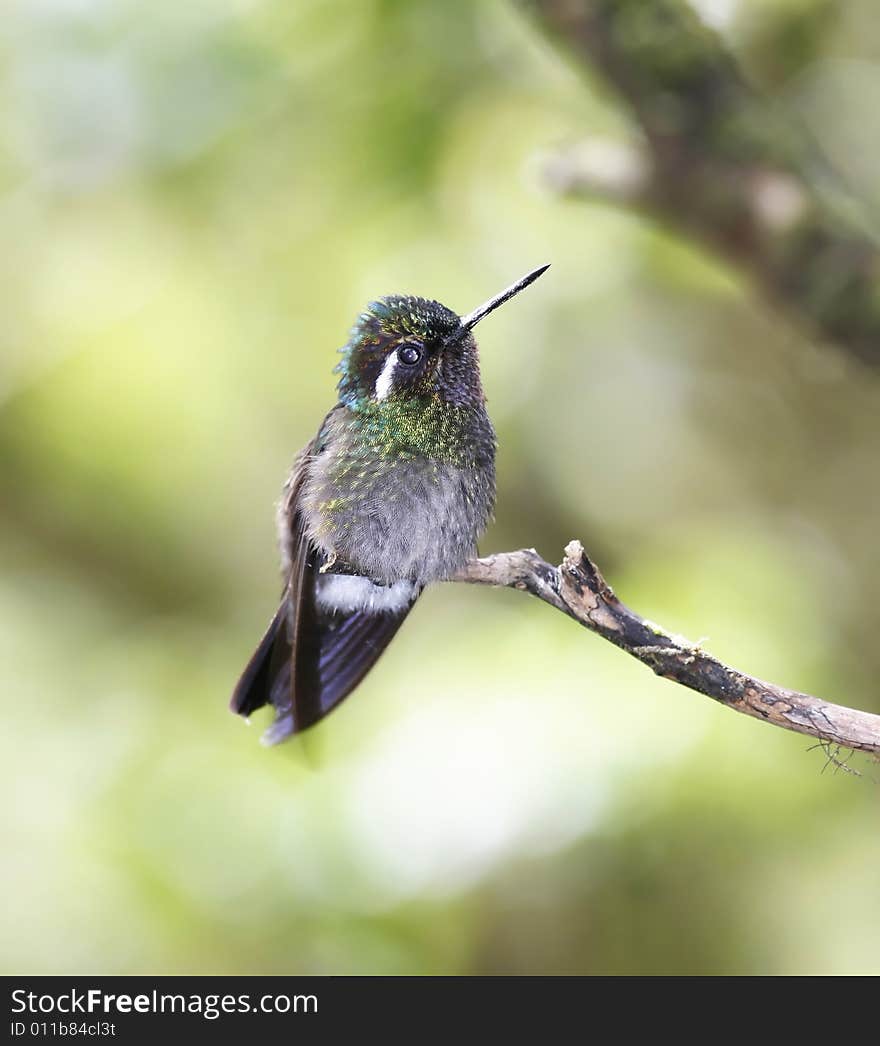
point(719, 163)
point(577, 588)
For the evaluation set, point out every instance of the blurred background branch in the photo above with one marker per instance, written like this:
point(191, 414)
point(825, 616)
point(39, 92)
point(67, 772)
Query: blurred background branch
point(578, 589)
point(720, 163)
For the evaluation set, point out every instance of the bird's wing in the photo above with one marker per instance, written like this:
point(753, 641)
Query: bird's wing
point(309, 659)
point(259, 683)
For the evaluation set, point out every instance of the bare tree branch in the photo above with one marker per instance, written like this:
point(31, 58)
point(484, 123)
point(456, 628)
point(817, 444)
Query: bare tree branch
point(577, 588)
point(721, 164)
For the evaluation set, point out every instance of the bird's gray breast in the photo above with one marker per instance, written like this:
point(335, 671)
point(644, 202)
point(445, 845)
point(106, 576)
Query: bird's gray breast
point(417, 520)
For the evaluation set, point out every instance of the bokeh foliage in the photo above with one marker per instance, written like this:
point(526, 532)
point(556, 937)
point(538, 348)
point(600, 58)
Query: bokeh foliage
point(196, 200)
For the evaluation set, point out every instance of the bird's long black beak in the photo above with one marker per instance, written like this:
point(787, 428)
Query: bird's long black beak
point(473, 318)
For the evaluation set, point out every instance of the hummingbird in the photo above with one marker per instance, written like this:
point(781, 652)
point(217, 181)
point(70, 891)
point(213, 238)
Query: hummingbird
point(392, 494)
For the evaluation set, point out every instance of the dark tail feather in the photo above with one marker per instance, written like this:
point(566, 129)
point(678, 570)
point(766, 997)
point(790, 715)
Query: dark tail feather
point(332, 659)
point(334, 653)
point(266, 669)
point(348, 652)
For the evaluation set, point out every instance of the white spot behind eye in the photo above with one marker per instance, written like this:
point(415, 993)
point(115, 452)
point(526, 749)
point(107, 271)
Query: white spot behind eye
point(385, 380)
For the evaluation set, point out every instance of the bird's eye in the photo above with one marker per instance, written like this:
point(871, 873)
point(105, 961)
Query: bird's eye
point(409, 355)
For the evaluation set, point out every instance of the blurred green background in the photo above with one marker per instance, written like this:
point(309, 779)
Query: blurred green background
point(195, 200)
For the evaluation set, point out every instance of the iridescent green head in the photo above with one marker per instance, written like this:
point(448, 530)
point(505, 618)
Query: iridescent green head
point(414, 348)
